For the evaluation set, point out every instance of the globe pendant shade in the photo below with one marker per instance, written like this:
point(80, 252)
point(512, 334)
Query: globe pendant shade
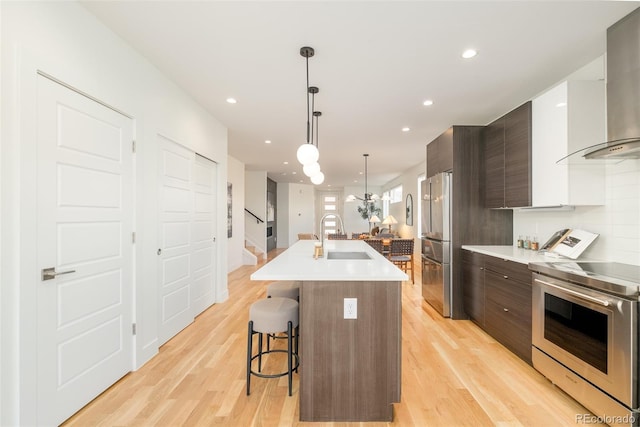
point(310, 169)
point(307, 153)
point(318, 178)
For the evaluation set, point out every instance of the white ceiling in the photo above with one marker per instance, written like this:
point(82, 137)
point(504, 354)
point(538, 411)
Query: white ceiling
point(375, 63)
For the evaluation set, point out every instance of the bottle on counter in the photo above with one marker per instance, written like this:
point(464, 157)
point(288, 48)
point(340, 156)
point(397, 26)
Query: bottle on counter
point(520, 242)
point(534, 243)
point(527, 243)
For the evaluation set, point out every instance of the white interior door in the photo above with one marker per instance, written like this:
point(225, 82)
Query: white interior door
point(84, 233)
point(204, 235)
point(176, 197)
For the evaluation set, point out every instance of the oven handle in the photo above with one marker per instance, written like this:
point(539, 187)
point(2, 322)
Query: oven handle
point(574, 293)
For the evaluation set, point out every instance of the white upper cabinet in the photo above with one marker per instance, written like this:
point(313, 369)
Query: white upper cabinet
point(566, 118)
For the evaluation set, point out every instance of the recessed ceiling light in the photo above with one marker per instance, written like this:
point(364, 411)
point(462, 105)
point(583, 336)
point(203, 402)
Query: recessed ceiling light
point(361, 173)
point(231, 100)
point(293, 173)
point(328, 185)
point(469, 53)
point(301, 180)
point(427, 103)
point(268, 141)
point(286, 163)
point(406, 129)
point(561, 104)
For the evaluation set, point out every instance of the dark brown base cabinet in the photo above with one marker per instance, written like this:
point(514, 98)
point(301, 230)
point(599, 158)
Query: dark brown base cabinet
point(473, 285)
point(498, 299)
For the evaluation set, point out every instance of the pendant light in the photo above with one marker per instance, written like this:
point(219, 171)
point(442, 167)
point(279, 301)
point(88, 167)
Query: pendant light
point(307, 152)
point(318, 177)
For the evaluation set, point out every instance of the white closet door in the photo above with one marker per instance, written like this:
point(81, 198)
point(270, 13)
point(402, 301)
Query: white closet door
point(176, 204)
point(84, 235)
point(203, 235)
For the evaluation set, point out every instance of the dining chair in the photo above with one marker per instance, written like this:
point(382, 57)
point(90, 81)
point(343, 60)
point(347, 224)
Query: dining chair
point(375, 244)
point(402, 255)
point(336, 236)
point(307, 236)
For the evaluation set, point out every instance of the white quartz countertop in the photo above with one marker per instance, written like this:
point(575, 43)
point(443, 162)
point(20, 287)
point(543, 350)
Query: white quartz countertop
point(523, 256)
point(297, 263)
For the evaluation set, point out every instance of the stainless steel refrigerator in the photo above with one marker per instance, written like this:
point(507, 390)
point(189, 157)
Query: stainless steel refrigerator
point(436, 245)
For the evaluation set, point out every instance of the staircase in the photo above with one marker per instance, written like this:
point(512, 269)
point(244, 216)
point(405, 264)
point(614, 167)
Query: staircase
point(251, 255)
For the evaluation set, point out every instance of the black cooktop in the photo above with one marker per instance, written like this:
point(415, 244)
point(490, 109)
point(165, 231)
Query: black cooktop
point(614, 277)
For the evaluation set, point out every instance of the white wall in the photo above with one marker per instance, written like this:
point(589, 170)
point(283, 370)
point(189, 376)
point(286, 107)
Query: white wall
point(235, 245)
point(282, 216)
point(255, 200)
point(65, 41)
point(409, 182)
point(301, 211)
point(617, 222)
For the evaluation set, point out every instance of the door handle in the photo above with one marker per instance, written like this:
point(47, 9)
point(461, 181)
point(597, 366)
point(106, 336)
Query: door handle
point(576, 294)
point(51, 273)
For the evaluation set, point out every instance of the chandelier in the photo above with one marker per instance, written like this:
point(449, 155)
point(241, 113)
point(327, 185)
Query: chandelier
point(368, 197)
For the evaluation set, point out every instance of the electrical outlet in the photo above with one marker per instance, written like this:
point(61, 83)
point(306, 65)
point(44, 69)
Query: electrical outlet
point(351, 308)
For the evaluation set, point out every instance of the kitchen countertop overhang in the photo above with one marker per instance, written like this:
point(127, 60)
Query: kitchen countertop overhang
point(297, 263)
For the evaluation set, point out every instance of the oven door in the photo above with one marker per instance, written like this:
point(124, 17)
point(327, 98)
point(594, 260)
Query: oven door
point(590, 332)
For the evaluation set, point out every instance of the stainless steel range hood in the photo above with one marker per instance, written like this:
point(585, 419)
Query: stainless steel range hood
point(623, 92)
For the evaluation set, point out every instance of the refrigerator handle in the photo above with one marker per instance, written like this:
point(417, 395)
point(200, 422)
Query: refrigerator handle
point(430, 208)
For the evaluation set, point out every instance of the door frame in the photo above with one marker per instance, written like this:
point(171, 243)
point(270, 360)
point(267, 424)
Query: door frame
point(18, 295)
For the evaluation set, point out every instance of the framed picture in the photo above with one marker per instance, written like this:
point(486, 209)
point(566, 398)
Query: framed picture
point(409, 209)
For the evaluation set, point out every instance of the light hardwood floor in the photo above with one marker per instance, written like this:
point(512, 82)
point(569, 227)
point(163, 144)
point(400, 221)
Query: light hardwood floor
point(453, 374)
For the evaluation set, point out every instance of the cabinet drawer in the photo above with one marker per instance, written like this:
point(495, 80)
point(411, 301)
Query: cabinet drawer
point(509, 294)
point(509, 330)
point(513, 270)
point(508, 313)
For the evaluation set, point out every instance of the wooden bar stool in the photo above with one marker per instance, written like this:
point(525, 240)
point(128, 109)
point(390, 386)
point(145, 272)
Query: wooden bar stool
point(271, 316)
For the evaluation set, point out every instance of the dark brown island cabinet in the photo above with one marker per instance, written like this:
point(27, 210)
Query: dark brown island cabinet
point(507, 143)
point(498, 299)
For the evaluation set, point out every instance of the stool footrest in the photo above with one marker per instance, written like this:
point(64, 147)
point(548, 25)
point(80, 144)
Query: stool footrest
point(282, 374)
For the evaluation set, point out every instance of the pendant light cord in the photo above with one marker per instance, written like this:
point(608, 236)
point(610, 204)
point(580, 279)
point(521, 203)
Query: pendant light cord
point(313, 109)
point(366, 194)
point(308, 113)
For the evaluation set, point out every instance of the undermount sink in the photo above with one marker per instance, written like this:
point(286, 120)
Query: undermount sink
point(347, 255)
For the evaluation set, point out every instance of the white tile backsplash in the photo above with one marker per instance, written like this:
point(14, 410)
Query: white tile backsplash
point(617, 222)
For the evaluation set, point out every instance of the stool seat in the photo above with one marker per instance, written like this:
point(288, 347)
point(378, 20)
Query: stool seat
point(271, 315)
point(284, 289)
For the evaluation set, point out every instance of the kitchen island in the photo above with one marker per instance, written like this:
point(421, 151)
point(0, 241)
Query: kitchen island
point(349, 368)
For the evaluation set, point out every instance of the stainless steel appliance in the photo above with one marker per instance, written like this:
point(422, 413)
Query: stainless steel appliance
point(585, 334)
point(436, 245)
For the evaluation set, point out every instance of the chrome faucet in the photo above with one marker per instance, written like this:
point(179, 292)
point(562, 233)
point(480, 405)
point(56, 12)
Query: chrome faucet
point(322, 226)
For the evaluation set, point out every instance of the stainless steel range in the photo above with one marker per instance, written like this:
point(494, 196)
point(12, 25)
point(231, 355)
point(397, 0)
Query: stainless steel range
point(585, 334)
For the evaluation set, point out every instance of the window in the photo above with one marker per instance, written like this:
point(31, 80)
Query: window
point(329, 205)
point(393, 195)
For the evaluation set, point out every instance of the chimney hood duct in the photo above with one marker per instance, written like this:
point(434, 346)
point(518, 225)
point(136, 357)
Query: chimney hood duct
point(623, 92)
